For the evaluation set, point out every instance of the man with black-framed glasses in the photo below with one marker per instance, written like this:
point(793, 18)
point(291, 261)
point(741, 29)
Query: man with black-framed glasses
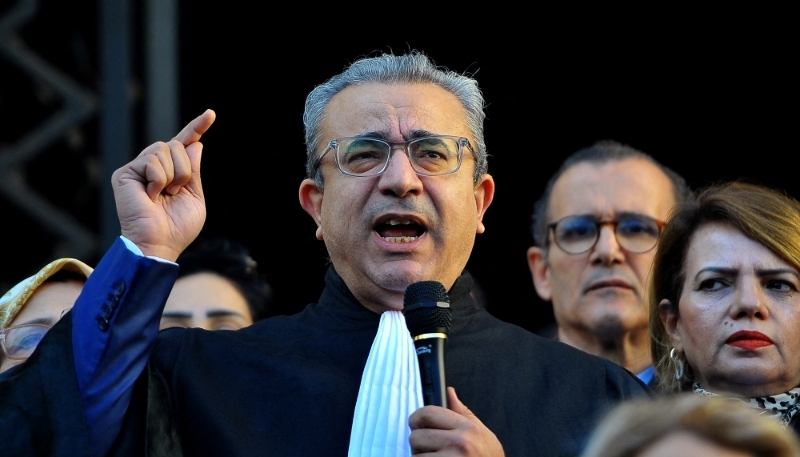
point(595, 231)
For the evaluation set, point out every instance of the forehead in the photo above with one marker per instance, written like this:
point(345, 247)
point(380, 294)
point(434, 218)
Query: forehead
point(203, 292)
point(607, 189)
point(396, 110)
point(48, 301)
point(721, 245)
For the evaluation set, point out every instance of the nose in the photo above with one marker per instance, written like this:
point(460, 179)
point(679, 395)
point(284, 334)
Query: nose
point(399, 179)
point(606, 250)
point(749, 301)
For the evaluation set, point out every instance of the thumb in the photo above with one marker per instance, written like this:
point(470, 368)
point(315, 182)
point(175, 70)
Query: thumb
point(455, 405)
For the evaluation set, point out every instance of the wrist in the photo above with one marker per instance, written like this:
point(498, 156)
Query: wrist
point(157, 250)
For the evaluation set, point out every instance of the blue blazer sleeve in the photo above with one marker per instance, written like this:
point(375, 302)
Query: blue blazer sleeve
point(114, 326)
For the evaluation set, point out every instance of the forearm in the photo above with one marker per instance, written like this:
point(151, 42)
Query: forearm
point(115, 323)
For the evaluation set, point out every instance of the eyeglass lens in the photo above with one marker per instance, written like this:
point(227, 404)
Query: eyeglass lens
point(20, 342)
point(366, 156)
point(578, 234)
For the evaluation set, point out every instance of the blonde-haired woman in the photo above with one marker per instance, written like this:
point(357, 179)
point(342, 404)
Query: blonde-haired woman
point(690, 425)
point(30, 308)
point(725, 299)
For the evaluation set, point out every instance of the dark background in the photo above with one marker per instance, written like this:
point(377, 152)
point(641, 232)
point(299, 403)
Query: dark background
point(712, 99)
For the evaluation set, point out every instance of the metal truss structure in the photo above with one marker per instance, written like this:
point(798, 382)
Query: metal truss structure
point(78, 105)
point(111, 106)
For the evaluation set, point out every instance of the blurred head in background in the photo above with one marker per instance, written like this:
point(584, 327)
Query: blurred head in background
point(33, 306)
point(218, 288)
point(690, 425)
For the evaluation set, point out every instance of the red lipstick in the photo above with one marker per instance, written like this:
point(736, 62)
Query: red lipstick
point(748, 340)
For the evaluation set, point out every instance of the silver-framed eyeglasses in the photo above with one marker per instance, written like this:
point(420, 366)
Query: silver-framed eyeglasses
point(19, 341)
point(432, 155)
point(635, 233)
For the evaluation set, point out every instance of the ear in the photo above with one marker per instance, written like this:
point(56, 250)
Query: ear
point(311, 201)
point(484, 194)
point(540, 271)
point(669, 319)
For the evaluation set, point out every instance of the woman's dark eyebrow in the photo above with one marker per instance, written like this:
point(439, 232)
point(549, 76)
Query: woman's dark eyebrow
point(40, 320)
point(222, 313)
point(720, 270)
point(777, 271)
point(759, 272)
point(176, 315)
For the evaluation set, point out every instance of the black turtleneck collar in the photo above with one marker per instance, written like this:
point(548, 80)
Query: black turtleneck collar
point(336, 298)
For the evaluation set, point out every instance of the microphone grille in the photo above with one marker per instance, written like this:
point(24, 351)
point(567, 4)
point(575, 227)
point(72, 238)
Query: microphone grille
point(427, 308)
point(425, 291)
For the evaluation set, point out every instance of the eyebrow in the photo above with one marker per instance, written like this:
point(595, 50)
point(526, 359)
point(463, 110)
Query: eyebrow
point(176, 315)
point(619, 215)
point(40, 320)
point(777, 271)
point(722, 270)
point(759, 272)
point(222, 313)
point(383, 135)
point(632, 213)
point(212, 313)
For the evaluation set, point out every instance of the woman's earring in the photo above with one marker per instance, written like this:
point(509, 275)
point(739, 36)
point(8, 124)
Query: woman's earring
point(679, 363)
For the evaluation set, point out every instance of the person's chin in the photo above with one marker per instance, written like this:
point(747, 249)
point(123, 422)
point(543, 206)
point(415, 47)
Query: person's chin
point(616, 318)
point(396, 275)
point(750, 370)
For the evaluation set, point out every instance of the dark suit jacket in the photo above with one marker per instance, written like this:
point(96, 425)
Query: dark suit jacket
point(288, 385)
point(42, 408)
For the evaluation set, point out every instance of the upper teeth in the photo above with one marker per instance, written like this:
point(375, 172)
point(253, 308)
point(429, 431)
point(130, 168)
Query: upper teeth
point(399, 222)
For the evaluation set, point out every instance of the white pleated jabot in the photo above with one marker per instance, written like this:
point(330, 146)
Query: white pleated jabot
point(390, 391)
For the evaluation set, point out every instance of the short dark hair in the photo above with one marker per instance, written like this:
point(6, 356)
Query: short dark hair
point(599, 153)
point(232, 261)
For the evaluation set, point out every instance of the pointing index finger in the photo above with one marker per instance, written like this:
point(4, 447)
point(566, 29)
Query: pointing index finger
point(196, 128)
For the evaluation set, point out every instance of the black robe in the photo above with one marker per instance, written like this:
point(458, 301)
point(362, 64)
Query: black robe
point(287, 386)
point(40, 404)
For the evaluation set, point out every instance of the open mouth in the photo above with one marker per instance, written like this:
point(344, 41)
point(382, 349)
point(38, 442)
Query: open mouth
point(399, 229)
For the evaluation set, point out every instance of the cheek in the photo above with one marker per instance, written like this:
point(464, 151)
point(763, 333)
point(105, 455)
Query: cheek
point(565, 275)
point(642, 264)
point(791, 336)
point(567, 269)
point(698, 330)
point(336, 217)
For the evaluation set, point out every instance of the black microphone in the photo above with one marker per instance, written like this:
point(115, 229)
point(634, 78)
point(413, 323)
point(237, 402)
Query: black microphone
point(426, 307)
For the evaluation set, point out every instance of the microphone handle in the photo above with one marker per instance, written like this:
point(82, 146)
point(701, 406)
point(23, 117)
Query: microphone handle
point(430, 353)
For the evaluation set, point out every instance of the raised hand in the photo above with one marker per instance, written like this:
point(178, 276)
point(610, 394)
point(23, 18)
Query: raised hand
point(437, 431)
point(159, 196)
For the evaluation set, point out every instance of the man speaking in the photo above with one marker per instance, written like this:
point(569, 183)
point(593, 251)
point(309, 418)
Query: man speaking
point(397, 187)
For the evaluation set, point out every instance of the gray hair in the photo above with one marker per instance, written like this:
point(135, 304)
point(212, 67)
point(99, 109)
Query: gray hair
point(599, 153)
point(412, 68)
